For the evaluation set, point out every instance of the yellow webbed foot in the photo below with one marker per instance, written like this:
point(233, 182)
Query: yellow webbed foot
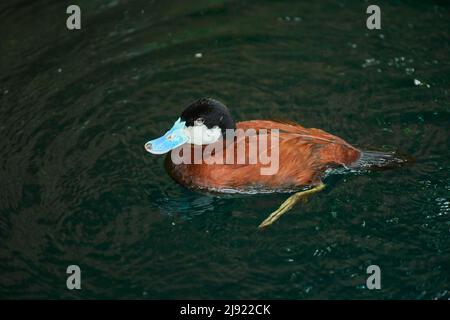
point(289, 203)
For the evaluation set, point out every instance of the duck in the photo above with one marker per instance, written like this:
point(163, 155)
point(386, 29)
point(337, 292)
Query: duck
point(305, 155)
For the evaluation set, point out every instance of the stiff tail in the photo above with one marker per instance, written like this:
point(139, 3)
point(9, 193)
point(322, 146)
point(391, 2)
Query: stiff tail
point(376, 159)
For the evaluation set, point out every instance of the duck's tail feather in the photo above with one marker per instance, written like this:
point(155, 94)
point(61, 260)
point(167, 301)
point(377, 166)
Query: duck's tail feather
point(377, 159)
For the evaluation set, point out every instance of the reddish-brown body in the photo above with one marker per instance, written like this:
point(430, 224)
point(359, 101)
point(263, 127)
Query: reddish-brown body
point(304, 155)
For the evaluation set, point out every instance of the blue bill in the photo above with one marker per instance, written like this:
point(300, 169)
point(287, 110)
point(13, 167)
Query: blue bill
point(172, 139)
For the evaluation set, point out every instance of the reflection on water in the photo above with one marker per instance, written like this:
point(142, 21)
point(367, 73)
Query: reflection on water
point(78, 188)
point(170, 203)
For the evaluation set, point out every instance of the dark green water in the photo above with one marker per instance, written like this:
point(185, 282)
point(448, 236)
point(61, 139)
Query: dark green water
point(77, 186)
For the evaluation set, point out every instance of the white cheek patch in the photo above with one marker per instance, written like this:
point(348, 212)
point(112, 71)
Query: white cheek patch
point(200, 134)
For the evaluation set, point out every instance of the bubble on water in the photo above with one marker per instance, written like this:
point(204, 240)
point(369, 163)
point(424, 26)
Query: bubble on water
point(402, 63)
point(444, 206)
point(417, 82)
point(290, 19)
point(370, 62)
point(393, 220)
point(409, 71)
point(321, 252)
point(198, 55)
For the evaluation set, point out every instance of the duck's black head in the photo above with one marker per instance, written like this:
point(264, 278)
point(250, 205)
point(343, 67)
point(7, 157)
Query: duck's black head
point(209, 112)
point(204, 121)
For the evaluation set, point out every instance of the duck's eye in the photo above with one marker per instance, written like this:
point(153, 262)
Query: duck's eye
point(199, 122)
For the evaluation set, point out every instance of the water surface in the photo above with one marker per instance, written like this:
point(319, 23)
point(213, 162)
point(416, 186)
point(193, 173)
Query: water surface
point(77, 186)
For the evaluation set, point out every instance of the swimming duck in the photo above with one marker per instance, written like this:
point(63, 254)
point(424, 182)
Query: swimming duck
point(305, 154)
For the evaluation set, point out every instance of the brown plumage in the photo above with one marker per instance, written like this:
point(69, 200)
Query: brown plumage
point(304, 155)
